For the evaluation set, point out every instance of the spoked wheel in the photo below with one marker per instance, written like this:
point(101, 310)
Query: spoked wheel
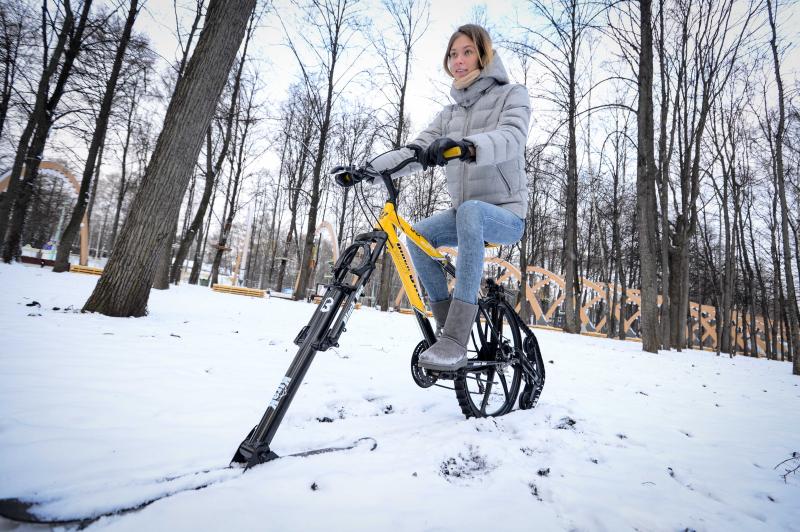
point(493, 390)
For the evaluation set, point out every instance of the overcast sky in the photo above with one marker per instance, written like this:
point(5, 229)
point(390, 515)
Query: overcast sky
point(158, 23)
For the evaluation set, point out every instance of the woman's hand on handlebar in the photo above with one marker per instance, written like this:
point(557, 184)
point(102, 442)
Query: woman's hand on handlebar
point(421, 155)
point(445, 149)
point(348, 176)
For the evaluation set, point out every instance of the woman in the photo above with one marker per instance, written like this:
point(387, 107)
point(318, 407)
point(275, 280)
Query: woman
point(487, 185)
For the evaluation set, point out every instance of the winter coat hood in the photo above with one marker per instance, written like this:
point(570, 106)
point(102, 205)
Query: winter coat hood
point(493, 74)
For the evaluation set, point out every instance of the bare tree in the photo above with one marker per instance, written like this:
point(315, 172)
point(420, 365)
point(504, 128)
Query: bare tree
point(334, 22)
point(68, 237)
point(28, 151)
point(559, 49)
point(124, 287)
point(14, 35)
point(780, 178)
point(244, 120)
point(713, 38)
point(301, 127)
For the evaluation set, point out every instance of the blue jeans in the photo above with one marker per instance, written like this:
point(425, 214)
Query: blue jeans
point(467, 227)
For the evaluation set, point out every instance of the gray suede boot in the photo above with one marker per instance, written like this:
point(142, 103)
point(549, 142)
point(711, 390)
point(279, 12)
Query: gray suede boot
point(450, 352)
point(439, 309)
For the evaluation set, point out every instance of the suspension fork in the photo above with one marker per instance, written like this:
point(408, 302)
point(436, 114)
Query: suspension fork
point(321, 333)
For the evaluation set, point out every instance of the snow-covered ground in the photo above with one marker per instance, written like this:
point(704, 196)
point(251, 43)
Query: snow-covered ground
point(94, 409)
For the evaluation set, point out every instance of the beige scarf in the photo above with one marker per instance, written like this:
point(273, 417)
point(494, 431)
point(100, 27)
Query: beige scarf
point(467, 80)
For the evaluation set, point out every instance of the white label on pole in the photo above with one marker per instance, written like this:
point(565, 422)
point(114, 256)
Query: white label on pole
point(280, 393)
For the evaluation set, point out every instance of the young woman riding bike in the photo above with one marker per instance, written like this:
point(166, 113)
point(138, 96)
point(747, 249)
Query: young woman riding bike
point(487, 184)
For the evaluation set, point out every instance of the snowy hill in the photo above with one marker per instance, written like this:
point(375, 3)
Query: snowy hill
point(94, 409)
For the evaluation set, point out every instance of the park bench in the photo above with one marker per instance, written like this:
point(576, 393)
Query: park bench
point(91, 270)
point(238, 290)
point(411, 311)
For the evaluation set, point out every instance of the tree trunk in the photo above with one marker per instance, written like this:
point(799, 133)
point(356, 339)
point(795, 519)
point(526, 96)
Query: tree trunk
point(95, 180)
point(765, 314)
point(74, 225)
point(161, 278)
point(571, 287)
point(791, 298)
point(645, 180)
point(197, 222)
point(200, 250)
point(124, 287)
point(522, 299)
point(11, 46)
point(123, 171)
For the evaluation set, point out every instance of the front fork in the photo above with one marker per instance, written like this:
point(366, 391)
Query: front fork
point(321, 333)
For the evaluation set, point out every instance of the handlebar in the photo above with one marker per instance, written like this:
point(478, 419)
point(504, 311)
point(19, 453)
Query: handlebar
point(367, 172)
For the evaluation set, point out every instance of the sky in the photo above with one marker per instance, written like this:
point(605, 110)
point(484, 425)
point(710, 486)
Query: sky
point(277, 61)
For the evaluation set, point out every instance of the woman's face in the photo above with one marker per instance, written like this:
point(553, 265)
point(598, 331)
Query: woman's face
point(463, 57)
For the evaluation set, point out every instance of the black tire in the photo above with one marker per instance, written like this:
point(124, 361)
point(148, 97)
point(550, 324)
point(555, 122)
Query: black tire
point(529, 397)
point(531, 392)
point(421, 377)
point(492, 392)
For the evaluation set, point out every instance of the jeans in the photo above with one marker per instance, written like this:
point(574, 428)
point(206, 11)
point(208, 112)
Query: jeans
point(467, 227)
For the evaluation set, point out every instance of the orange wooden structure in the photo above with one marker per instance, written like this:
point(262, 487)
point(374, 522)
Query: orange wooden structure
point(60, 169)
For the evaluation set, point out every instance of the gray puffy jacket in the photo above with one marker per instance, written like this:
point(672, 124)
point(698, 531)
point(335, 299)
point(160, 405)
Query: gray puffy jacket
point(493, 114)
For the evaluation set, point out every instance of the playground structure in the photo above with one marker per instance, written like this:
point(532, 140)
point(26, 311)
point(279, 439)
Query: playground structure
point(545, 292)
point(61, 171)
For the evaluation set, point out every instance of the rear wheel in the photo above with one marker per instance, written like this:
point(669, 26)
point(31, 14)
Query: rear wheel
point(491, 390)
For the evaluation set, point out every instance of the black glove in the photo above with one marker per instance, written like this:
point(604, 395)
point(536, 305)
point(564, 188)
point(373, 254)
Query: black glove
point(345, 176)
point(421, 155)
point(435, 152)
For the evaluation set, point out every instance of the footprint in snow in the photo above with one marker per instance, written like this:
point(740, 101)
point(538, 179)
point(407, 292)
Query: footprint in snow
point(534, 491)
point(466, 466)
point(566, 423)
point(527, 451)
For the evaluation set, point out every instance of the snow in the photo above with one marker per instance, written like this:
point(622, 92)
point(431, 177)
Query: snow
point(94, 410)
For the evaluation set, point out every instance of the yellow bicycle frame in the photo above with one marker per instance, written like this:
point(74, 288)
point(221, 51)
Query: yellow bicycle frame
point(390, 222)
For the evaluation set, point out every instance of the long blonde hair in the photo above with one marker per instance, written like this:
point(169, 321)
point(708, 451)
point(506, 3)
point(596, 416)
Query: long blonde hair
point(482, 41)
